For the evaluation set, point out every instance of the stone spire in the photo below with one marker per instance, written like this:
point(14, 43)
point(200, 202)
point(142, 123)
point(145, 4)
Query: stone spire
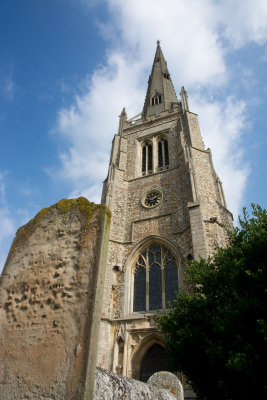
point(160, 92)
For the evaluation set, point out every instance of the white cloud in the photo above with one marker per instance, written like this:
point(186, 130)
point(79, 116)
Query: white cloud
point(9, 88)
point(7, 225)
point(2, 186)
point(243, 21)
point(186, 29)
point(8, 85)
point(223, 124)
point(197, 36)
point(89, 124)
point(90, 192)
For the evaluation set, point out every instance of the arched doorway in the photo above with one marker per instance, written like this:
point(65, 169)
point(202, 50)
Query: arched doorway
point(153, 361)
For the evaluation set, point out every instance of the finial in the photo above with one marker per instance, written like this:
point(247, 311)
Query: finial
point(158, 42)
point(123, 118)
point(184, 99)
point(123, 112)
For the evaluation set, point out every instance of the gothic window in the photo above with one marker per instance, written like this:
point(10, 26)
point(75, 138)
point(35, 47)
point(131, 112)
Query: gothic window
point(167, 76)
point(163, 154)
point(156, 99)
point(155, 287)
point(140, 285)
point(147, 159)
point(155, 279)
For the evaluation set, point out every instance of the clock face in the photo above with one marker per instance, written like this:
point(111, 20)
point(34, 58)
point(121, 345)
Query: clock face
point(152, 199)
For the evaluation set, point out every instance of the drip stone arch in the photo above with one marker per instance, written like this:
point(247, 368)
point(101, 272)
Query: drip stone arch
point(140, 350)
point(132, 260)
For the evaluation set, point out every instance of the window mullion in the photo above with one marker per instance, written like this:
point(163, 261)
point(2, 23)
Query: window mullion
point(146, 159)
point(147, 279)
point(163, 278)
point(155, 155)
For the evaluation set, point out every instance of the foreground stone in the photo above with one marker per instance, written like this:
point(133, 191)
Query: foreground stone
point(169, 381)
point(161, 386)
point(51, 292)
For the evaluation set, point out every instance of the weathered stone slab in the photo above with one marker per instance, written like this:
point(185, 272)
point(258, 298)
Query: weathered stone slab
point(51, 292)
point(167, 380)
point(161, 386)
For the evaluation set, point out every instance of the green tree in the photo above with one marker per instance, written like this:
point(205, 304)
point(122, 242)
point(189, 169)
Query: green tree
point(215, 333)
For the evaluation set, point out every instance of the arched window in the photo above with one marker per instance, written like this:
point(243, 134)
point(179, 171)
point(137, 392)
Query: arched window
point(155, 279)
point(147, 159)
point(156, 99)
point(163, 154)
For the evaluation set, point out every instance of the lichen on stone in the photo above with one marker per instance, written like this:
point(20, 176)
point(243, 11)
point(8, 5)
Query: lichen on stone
point(86, 208)
point(83, 204)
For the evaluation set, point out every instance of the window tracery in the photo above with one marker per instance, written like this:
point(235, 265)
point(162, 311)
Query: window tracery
point(155, 279)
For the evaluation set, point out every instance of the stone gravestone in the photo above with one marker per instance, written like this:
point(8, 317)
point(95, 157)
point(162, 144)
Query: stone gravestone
point(168, 381)
point(51, 293)
point(160, 386)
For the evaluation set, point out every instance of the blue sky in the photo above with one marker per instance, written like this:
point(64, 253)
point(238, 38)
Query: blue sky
point(68, 67)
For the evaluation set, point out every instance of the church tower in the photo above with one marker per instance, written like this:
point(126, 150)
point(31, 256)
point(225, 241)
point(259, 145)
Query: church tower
point(168, 208)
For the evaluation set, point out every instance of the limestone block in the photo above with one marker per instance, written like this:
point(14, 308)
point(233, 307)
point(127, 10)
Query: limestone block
point(109, 386)
point(51, 293)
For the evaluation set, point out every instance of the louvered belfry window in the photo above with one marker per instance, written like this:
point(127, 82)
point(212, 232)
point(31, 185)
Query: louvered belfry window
point(147, 159)
point(155, 279)
point(156, 99)
point(163, 154)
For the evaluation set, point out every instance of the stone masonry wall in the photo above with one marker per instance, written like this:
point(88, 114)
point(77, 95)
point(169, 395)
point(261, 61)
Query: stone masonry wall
point(132, 223)
point(189, 218)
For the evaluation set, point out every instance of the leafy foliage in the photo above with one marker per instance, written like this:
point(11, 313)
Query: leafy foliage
point(215, 333)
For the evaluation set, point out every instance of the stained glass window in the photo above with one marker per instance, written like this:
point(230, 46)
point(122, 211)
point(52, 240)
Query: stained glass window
point(140, 290)
point(155, 279)
point(155, 285)
point(171, 279)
